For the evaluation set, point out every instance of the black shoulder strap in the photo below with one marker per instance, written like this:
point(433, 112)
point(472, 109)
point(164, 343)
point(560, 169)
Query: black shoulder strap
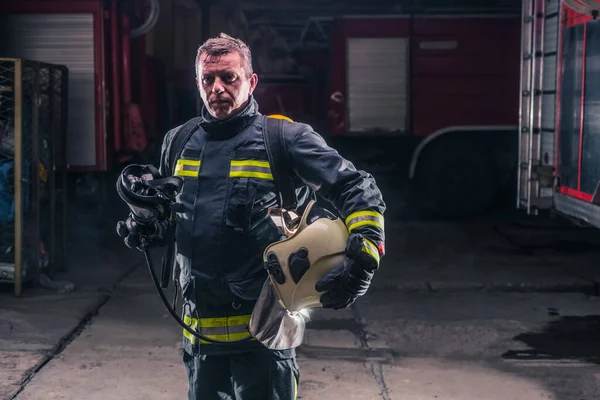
point(180, 138)
point(280, 166)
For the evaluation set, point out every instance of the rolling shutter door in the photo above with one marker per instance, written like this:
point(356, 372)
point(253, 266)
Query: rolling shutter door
point(66, 39)
point(377, 84)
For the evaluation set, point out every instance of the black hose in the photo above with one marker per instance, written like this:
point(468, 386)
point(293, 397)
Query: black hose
point(161, 293)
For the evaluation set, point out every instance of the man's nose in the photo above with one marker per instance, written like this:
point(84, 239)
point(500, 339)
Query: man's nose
point(218, 86)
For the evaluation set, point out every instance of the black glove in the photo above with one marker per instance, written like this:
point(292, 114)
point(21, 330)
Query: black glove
point(155, 233)
point(350, 279)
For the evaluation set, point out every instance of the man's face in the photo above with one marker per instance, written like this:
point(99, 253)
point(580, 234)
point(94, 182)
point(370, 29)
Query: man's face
point(224, 85)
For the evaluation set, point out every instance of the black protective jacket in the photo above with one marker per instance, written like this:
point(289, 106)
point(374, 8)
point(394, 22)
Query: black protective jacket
point(222, 223)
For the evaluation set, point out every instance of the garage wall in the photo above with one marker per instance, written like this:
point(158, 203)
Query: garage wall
point(174, 42)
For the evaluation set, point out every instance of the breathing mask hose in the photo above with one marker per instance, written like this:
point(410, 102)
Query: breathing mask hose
point(161, 293)
point(167, 261)
point(151, 199)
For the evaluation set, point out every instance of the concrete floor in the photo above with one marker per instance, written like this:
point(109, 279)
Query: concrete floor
point(390, 346)
point(489, 309)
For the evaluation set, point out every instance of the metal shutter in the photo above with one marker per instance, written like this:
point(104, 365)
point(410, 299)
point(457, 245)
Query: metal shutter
point(66, 39)
point(377, 84)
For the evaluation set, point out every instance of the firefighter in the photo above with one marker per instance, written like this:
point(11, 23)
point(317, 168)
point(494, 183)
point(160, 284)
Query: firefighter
point(222, 227)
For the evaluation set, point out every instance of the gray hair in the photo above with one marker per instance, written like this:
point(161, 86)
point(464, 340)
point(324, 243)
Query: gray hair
point(225, 44)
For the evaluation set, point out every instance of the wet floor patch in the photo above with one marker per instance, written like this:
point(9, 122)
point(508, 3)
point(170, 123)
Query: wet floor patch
point(573, 338)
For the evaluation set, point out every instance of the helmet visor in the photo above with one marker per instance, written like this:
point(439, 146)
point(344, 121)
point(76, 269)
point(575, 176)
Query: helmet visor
point(274, 326)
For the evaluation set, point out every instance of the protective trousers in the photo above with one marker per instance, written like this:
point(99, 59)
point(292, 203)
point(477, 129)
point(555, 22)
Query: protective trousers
point(253, 375)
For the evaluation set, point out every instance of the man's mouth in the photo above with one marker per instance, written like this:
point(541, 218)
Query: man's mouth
point(220, 102)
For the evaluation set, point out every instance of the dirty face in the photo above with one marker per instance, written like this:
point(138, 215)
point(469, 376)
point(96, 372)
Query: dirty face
point(224, 85)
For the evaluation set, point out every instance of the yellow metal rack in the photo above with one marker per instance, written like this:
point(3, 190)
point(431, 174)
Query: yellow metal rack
point(33, 185)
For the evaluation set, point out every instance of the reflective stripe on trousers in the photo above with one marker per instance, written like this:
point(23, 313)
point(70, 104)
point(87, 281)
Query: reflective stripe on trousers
point(221, 328)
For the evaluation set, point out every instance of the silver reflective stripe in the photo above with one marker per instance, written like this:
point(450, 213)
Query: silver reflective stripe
point(223, 330)
point(189, 168)
point(251, 169)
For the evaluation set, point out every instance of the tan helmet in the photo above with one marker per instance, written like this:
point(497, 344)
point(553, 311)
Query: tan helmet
point(315, 244)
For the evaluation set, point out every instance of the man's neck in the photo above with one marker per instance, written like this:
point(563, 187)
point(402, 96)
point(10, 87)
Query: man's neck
point(234, 114)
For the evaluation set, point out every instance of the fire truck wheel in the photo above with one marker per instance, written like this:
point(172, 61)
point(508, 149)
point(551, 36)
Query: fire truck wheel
point(456, 179)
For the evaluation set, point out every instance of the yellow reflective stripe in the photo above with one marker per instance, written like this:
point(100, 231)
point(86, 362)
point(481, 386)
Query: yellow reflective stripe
point(363, 223)
point(224, 321)
point(360, 214)
point(191, 163)
point(240, 320)
point(250, 163)
point(237, 326)
point(250, 169)
point(212, 322)
point(247, 174)
point(192, 323)
point(279, 116)
point(370, 248)
point(189, 336)
point(295, 388)
point(187, 167)
point(362, 218)
point(186, 173)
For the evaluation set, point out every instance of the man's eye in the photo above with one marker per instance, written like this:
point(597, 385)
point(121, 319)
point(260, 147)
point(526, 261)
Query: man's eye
point(207, 79)
point(229, 78)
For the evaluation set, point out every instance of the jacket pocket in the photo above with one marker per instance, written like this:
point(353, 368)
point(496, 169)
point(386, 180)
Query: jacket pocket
point(240, 204)
point(251, 189)
point(249, 202)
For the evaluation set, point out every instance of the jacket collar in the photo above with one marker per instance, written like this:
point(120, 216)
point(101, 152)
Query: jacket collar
point(225, 129)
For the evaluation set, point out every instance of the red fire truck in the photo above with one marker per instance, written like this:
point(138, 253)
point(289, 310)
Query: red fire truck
point(447, 81)
point(560, 108)
point(431, 90)
point(431, 93)
point(445, 92)
point(438, 92)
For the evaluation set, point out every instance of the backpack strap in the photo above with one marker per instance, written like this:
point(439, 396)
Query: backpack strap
point(281, 168)
point(180, 138)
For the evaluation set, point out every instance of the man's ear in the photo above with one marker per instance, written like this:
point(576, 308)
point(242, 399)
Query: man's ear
point(253, 83)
